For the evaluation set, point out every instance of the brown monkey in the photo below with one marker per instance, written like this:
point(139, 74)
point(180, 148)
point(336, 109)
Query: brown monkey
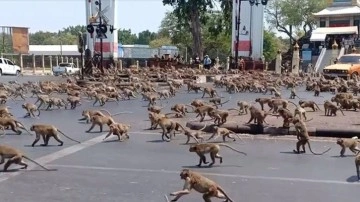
point(300, 111)
point(74, 101)
point(357, 165)
point(219, 116)
point(195, 134)
point(351, 143)
point(43, 99)
point(128, 93)
point(30, 108)
point(286, 115)
point(276, 103)
point(310, 104)
point(213, 149)
point(46, 131)
point(293, 94)
point(88, 114)
point(13, 124)
point(257, 115)
point(303, 137)
point(202, 110)
point(119, 130)
point(272, 90)
point(16, 156)
point(180, 109)
point(201, 184)
point(316, 90)
point(198, 103)
point(168, 126)
point(155, 119)
point(165, 94)
point(224, 132)
point(263, 101)
point(155, 109)
point(100, 121)
point(210, 91)
point(54, 101)
point(331, 109)
point(244, 106)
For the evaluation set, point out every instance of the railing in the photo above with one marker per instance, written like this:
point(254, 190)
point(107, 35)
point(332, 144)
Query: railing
point(320, 58)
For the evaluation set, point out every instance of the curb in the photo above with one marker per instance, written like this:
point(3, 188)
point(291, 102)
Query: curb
point(254, 129)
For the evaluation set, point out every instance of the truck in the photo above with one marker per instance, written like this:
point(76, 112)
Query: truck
point(68, 68)
point(9, 67)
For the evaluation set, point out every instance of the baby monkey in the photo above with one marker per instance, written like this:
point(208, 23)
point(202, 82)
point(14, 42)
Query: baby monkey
point(212, 148)
point(201, 184)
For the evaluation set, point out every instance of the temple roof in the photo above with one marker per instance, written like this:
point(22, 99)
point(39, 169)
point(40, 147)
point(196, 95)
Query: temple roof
point(330, 11)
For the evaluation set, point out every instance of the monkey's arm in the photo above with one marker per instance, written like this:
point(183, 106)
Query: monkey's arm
point(185, 191)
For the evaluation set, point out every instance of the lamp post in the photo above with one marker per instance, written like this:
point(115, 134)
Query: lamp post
point(237, 25)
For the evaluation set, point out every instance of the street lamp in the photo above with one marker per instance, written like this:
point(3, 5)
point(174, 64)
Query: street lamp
point(237, 25)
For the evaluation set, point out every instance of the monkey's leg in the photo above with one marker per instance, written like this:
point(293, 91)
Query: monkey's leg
point(7, 164)
point(56, 137)
point(230, 136)
point(27, 115)
point(22, 163)
point(110, 132)
point(92, 127)
point(101, 127)
point(298, 144)
point(15, 129)
point(36, 139)
point(342, 152)
point(96, 100)
point(2, 160)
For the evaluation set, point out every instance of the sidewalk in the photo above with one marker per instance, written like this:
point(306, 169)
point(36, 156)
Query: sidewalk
point(38, 72)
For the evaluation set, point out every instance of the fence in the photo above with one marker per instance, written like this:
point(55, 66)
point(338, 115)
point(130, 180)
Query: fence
point(40, 61)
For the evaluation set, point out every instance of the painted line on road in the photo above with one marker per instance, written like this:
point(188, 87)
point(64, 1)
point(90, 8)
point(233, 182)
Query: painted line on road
point(56, 155)
point(210, 174)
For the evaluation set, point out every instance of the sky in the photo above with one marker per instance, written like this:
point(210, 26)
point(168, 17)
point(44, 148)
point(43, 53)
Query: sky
point(53, 15)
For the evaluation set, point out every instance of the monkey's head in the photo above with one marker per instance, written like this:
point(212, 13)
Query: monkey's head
point(193, 148)
point(339, 141)
point(257, 100)
point(295, 120)
point(301, 102)
point(85, 113)
point(23, 106)
point(215, 127)
point(333, 99)
point(32, 128)
point(185, 173)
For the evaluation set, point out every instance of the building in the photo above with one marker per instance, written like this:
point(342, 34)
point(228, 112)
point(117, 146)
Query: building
point(54, 50)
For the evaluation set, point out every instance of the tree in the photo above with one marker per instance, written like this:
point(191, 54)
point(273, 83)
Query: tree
point(145, 37)
point(157, 43)
point(126, 37)
point(192, 14)
point(288, 16)
point(271, 45)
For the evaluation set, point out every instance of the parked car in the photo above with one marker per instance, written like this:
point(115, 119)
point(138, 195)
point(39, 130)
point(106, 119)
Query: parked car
point(347, 65)
point(8, 67)
point(69, 68)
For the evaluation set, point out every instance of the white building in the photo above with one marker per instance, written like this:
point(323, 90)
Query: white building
point(68, 50)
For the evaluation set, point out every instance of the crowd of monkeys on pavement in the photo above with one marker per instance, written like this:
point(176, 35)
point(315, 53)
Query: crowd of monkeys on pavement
point(56, 95)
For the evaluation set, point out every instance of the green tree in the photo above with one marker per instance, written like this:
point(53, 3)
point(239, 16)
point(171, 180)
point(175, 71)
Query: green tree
point(271, 45)
point(74, 30)
point(162, 41)
point(288, 16)
point(145, 37)
point(126, 37)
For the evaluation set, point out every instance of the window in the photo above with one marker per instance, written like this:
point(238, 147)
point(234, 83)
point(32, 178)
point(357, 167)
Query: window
point(1, 61)
point(349, 59)
point(9, 62)
point(322, 23)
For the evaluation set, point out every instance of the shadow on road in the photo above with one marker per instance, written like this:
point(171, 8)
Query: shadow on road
point(352, 179)
point(214, 166)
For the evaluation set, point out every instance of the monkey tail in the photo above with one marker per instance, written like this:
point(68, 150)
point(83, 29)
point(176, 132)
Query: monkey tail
point(317, 153)
point(234, 109)
point(38, 112)
point(203, 127)
point(22, 126)
point(29, 159)
point(309, 120)
point(225, 101)
point(342, 111)
point(192, 107)
point(68, 136)
point(223, 192)
point(292, 103)
point(232, 148)
point(318, 106)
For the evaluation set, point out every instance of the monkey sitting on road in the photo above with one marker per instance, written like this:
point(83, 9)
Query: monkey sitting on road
point(213, 149)
point(352, 144)
point(30, 108)
point(16, 156)
point(201, 184)
point(47, 131)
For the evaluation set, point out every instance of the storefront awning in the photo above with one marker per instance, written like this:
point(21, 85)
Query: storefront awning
point(317, 37)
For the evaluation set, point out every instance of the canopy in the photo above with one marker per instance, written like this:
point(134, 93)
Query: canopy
point(317, 37)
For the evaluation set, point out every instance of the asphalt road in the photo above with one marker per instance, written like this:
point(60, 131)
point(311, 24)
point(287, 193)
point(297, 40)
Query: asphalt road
point(145, 168)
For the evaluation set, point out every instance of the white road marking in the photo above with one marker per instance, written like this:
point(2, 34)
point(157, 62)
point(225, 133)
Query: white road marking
point(210, 174)
point(56, 155)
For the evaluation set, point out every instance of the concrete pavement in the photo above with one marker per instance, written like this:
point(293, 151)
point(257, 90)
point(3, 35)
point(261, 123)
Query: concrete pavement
point(145, 168)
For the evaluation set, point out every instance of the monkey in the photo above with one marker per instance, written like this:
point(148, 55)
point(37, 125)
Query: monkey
point(74, 101)
point(217, 101)
point(224, 132)
point(262, 101)
point(357, 165)
point(4, 110)
point(331, 109)
point(155, 109)
point(198, 103)
point(57, 102)
point(16, 156)
point(301, 112)
point(310, 104)
point(350, 143)
point(277, 94)
point(172, 90)
point(168, 126)
point(201, 184)
point(100, 121)
point(101, 98)
point(88, 114)
point(257, 115)
point(316, 90)
point(165, 94)
point(220, 116)
point(286, 115)
point(212, 148)
point(293, 94)
point(14, 124)
point(303, 137)
point(202, 110)
point(210, 91)
point(151, 97)
point(180, 109)
point(275, 103)
point(128, 93)
point(196, 135)
point(154, 119)
point(271, 89)
point(43, 99)
point(30, 108)
point(46, 131)
point(194, 87)
point(119, 130)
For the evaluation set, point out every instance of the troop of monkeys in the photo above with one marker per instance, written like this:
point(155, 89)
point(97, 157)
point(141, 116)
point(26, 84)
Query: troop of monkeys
point(104, 92)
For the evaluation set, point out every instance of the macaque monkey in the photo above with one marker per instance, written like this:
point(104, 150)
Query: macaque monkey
point(276, 103)
point(168, 126)
point(154, 119)
point(164, 94)
point(30, 108)
point(151, 98)
point(263, 101)
point(13, 124)
point(257, 115)
point(88, 114)
point(310, 104)
point(301, 112)
point(213, 149)
point(195, 134)
point(244, 106)
point(54, 101)
point(351, 143)
point(43, 99)
point(101, 98)
point(293, 94)
point(74, 101)
point(4, 110)
point(128, 93)
point(331, 109)
point(119, 130)
point(219, 116)
point(210, 91)
point(198, 103)
point(194, 87)
point(224, 132)
point(271, 89)
point(217, 101)
point(155, 109)
point(46, 131)
point(201, 184)
point(303, 137)
point(180, 110)
point(286, 115)
point(316, 90)
point(100, 121)
point(16, 156)
point(202, 110)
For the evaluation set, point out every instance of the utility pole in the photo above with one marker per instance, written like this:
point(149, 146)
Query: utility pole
point(101, 40)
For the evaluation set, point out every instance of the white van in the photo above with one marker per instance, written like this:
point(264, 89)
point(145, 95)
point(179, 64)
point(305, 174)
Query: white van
point(8, 67)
